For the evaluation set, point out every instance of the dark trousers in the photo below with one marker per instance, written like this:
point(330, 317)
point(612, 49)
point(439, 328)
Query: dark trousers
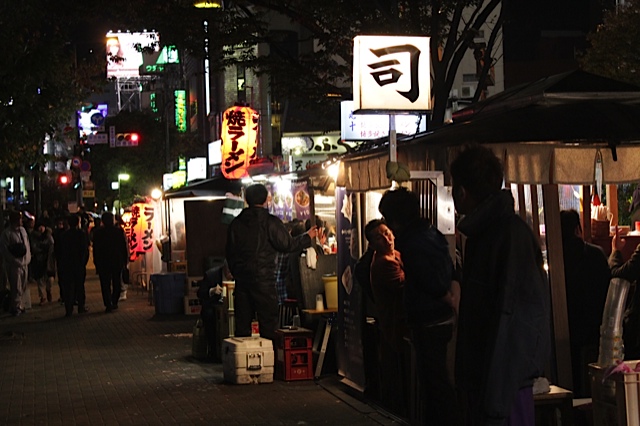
point(260, 298)
point(437, 393)
point(111, 286)
point(73, 284)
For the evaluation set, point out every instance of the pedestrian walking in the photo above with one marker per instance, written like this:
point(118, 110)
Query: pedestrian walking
point(16, 254)
point(110, 256)
point(61, 225)
point(43, 261)
point(74, 242)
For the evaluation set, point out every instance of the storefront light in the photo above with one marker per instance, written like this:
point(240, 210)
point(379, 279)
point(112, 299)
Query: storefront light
point(247, 180)
point(156, 194)
point(333, 170)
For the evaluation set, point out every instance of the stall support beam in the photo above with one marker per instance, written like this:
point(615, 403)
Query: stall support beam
point(556, 279)
point(586, 213)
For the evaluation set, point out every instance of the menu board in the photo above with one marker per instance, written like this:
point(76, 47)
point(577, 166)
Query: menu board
point(351, 315)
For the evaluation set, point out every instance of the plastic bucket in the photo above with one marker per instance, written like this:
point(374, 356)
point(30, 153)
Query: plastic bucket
point(330, 290)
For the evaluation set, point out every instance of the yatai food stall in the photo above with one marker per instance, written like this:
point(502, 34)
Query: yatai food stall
point(570, 129)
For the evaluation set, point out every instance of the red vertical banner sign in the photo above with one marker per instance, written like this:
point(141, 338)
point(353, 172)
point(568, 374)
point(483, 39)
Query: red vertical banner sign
point(139, 229)
point(239, 140)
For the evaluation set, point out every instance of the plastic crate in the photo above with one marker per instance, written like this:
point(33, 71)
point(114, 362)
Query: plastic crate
point(168, 292)
point(294, 359)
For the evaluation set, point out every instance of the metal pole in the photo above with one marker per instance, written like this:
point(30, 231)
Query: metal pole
point(393, 144)
point(119, 199)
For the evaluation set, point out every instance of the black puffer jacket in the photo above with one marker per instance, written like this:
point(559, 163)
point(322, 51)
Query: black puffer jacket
point(253, 240)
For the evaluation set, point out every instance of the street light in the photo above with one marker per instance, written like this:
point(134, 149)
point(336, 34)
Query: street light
point(122, 177)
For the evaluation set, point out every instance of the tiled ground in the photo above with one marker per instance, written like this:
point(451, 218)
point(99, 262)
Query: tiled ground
point(132, 367)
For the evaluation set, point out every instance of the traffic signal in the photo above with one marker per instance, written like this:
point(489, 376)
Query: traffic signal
point(64, 179)
point(127, 139)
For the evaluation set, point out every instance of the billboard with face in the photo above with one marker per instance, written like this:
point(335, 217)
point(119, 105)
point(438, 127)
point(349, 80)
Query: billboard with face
point(124, 57)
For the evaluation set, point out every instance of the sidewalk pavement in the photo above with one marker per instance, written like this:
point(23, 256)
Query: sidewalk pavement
point(131, 367)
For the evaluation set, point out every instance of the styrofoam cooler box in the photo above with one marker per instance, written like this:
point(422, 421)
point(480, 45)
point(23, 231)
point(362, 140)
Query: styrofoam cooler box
point(247, 360)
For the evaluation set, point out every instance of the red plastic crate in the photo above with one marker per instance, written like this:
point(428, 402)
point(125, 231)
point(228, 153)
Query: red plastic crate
point(296, 365)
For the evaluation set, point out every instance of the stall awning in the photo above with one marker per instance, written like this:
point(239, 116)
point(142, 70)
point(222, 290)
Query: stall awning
point(216, 186)
point(548, 131)
point(367, 171)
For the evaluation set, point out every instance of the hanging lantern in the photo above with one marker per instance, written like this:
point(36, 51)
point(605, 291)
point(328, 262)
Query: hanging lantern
point(239, 140)
point(139, 229)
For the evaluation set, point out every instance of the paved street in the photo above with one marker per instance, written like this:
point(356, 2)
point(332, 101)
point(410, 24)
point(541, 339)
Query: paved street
point(131, 367)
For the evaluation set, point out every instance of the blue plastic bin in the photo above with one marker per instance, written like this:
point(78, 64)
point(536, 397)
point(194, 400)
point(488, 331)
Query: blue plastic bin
point(168, 292)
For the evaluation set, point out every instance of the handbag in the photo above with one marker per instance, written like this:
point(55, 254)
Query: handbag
point(17, 249)
point(125, 275)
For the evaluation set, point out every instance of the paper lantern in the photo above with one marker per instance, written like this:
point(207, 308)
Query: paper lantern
point(239, 140)
point(139, 229)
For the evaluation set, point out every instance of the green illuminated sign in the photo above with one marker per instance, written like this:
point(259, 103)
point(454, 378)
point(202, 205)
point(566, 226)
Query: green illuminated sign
point(181, 110)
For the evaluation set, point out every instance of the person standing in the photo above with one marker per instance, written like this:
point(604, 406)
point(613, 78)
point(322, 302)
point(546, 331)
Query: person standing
point(630, 271)
point(110, 255)
point(428, 272)
point(62, 225)
point(42, 248)
point(73, 266)
point(503, 340)
point(14, 246)
point(387, 284)
point(587, 276)
point(253, 239)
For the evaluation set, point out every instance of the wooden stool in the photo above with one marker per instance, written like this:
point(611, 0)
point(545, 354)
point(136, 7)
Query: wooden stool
point(546, 405)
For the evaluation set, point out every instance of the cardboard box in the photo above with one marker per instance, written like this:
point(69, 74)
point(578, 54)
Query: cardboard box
point(247, 360)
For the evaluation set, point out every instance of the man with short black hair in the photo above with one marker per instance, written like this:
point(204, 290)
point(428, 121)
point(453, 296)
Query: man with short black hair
point(73, 266)
point(254, 237)
point(110, 255)
point(430, 316)
point(504, 318)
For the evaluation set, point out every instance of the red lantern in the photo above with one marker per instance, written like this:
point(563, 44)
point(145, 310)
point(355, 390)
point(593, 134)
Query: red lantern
point(239, 140)
point(139, 229)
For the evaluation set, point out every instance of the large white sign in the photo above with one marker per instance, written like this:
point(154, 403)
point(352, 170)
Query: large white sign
point(123, 55)
point(391, 73)
point(360, 127)
point(196, 168)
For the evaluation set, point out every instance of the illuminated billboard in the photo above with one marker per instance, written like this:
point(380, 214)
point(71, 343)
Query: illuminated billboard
point(91, 123)
point(124, 57)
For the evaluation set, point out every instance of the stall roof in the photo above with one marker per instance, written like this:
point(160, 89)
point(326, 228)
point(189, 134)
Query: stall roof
point(573, 107)
point(547, 131)
point(216, 186)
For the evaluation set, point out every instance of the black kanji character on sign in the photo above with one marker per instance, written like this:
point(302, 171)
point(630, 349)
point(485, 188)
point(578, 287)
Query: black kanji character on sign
point(384, 73)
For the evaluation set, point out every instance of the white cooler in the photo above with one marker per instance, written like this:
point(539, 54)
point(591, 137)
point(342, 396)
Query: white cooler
point(247, 360)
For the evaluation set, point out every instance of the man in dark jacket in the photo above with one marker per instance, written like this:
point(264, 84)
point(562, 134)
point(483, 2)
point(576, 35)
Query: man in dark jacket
point(586, 277)
point(504, 316)
point(430, 317)
point(630, 271)
point(74, 243)
point(253, 240)
point(110, 255)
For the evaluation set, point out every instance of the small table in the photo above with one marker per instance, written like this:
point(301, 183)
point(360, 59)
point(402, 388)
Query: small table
point(556, 398)
point(328, 316)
